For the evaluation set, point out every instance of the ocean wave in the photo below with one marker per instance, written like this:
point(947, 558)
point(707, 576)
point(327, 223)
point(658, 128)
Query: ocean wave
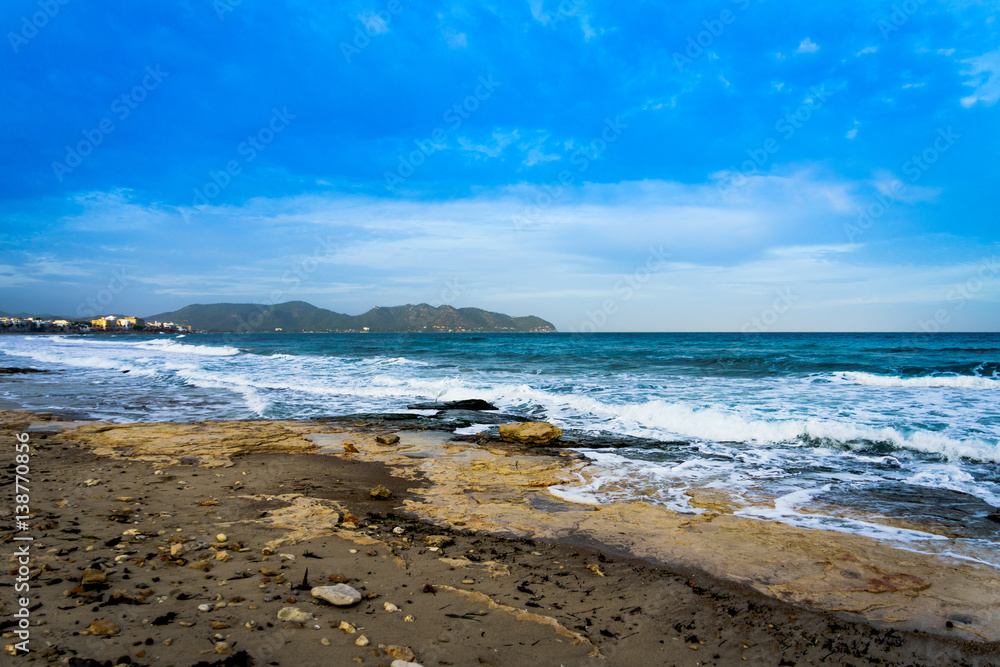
point(928, 381)
point(184, 348)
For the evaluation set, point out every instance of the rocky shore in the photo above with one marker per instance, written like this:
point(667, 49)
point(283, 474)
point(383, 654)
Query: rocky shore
point(224, 543)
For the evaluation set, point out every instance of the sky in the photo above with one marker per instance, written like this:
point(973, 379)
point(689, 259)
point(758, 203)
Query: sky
point(737, 165)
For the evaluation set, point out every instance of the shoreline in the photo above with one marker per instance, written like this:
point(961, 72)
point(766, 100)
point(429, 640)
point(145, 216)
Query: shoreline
point(469, 494)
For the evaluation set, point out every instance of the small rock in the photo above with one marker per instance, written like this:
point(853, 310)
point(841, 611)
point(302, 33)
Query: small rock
point(468, 581)
point(401, 652)
point(221, 537)
point(362, 641)
point(390, 439)
point(177, 550)
point(398, 530)
point(324, 641)
point(103, 628)
point(349, 628)
point(340, 595)
point(92, 482)
point(530, 433)
point(439, 540)
point(92, 576)
point(350, 448)
point(381, 493)
point(404, 663)
point(204, 607)
point(125, 499)
point(294, 615)
point(222, 647)
point(222, 556)
point(390, 607)
point(408, 618)
point(596, 569)
point(168, 642)
point(219, 625)
point(202, 565)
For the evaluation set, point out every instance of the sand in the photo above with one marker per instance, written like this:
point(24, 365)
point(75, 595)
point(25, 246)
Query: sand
point(126, 553)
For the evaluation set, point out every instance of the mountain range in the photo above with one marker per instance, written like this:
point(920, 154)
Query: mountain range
point(299, 316)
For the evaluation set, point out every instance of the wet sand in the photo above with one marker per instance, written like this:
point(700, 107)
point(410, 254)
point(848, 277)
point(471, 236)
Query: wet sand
point(568, 585)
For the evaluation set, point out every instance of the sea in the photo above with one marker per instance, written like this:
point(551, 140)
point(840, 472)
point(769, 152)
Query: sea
point(892, 436)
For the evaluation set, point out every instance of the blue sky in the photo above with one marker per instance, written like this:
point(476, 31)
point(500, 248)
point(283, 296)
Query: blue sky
point(733, 165)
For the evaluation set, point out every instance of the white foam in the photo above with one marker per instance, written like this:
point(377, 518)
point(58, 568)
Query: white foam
point(928, 381)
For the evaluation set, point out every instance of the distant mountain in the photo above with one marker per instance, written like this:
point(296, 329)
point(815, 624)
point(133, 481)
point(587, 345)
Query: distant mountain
point(299, 316)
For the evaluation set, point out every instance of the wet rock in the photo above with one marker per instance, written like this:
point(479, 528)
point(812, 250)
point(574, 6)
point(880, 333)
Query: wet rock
point(104, 628)
point(390, 439)
point(340, 595)
point(381, 493)
point(530, 433)
point(404, 653)
point(294, 615)
point(474, 404)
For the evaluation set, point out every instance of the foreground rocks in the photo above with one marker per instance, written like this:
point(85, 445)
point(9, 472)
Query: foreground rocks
point(445, 593)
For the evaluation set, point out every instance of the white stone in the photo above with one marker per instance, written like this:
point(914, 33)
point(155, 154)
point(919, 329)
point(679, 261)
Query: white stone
point(340, 595)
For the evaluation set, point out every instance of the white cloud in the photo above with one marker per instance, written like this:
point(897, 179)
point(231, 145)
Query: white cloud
point(867, 49)
point(807, 46)
point(985, 73)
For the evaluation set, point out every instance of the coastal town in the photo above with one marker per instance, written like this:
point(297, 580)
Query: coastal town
point(106, 324)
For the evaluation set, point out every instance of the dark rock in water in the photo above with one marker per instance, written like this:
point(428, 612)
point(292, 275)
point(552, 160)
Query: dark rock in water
point(26, 371)
point(468, 404)
point(994, 517)
point(445, 420)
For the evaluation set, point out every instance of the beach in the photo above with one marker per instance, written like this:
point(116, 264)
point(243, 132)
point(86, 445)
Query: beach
point(182, 543)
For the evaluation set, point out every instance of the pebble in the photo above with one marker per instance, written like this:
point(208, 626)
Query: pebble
point(294, 615)
point(362, 641)
point(222, 647)
point(349, 628)
point(221, 537)
point(401, 652)
point(439, 540)
point(409, 618)
point(93, 576)
point(387, 439)
point(468, 581)
point(177, 550)
point(223, 556)
point(324, 641)
point(168, 642)
point(404, 663)
point(204, 607)
point(340, 595)
point(390, 607)
point(103, 628)
point(398, 530)
point(380, 492)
